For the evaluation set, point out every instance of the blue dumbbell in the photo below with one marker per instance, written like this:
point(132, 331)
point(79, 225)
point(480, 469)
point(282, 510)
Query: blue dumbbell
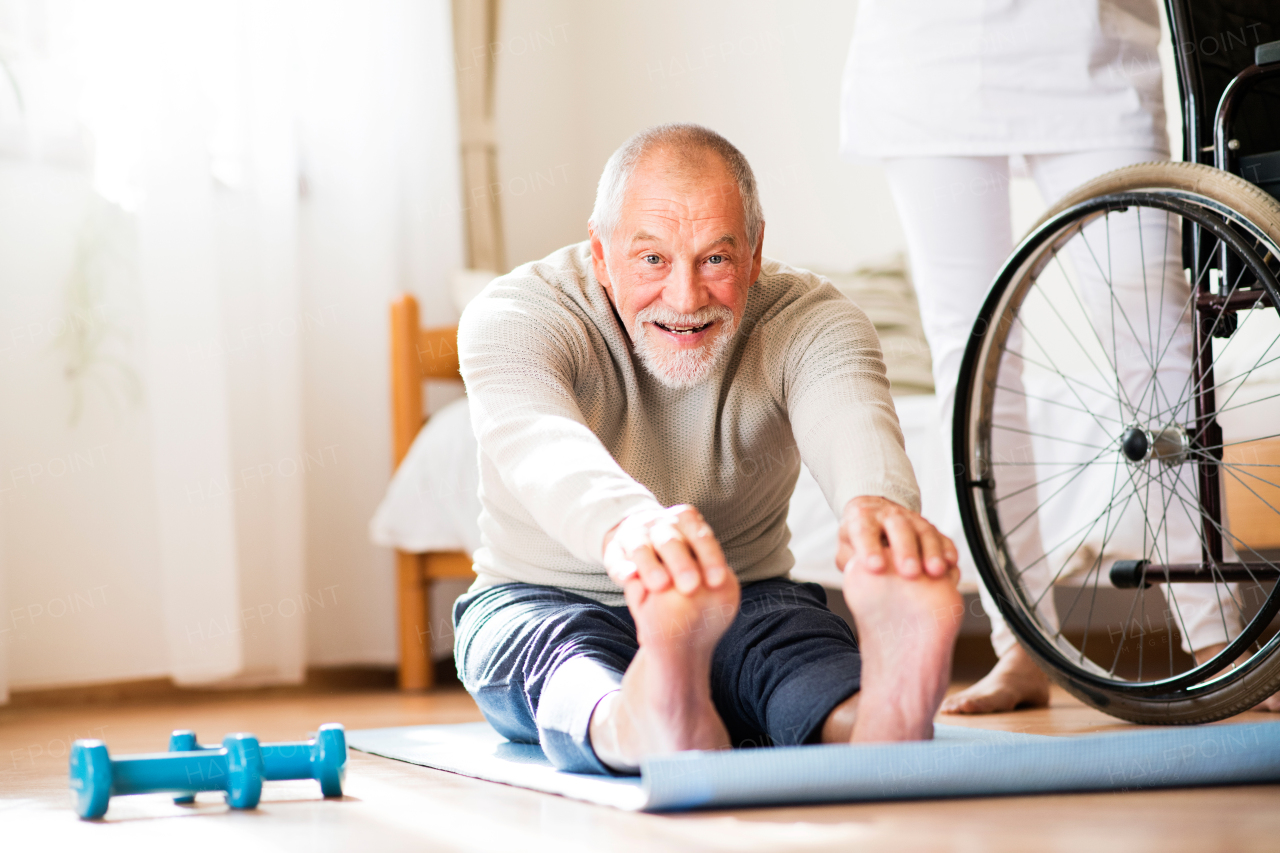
point(235, 768)
point(323, 758)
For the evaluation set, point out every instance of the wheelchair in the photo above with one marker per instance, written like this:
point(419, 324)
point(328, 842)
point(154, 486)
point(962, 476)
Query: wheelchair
point(1116, 431)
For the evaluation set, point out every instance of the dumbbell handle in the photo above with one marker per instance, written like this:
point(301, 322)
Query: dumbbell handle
point(151, 773)
point(322, 758)
point(279, 760)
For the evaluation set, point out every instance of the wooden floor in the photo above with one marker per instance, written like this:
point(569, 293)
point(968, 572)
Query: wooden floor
point(393, 806)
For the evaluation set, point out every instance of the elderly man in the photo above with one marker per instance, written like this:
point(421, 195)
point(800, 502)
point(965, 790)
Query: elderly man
point(642, 403)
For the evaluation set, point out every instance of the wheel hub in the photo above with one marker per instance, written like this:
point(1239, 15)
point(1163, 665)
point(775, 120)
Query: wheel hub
point(1170, 444)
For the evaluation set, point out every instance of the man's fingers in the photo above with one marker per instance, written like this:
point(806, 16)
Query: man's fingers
point(674, 552)
point(915, 545)
point(932, 550)
point(650, 568)
point(634, 592)
point(867, 543)
point(904, 544)
point(673, 547)
point(706, 550)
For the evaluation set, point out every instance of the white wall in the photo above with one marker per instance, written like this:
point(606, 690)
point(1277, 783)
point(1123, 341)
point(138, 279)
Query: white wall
point(576, 78)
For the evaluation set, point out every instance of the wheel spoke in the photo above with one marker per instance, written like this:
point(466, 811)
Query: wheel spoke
point(1108, 355)
point(1213, 570)
point(1095, 570)
point(1231, 471)
point(1090, 525)
point(1206, 447)
point(1040, 505)
point(1059, 404)
point(1236, 390)
point(1184, 396)
point(1060, 373)
point(1183, 393)
point(1115, 302)
point(1070, 379)
point(1052, 437)
point(1039, 483)
point(1172, 493)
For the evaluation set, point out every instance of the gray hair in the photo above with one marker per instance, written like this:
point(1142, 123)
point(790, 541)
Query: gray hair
point(684, 139)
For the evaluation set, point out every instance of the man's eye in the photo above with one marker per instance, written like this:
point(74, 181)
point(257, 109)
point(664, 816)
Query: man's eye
point(652, 259)
point(716, 259)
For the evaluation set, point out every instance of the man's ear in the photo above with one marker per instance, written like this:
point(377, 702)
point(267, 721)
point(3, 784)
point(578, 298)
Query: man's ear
point(597, 261)
point(757, 259)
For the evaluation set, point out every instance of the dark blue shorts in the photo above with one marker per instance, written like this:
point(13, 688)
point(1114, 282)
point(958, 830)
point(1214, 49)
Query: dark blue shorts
point(538, 660)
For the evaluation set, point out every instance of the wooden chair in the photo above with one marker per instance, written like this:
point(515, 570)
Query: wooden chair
point(1253, 492)
point(418, 354)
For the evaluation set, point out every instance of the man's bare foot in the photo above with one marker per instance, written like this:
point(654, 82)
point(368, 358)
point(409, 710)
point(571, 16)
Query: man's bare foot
point(1271, 703)
point(1014, 682)
point(906, 632)
point(665, 702)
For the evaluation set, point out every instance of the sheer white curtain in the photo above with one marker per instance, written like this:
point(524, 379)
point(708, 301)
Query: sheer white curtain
point(255, 179)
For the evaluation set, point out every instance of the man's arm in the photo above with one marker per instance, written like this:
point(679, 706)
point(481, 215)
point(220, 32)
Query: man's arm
point(837, 395)
point(520, 352)
point(519, 355)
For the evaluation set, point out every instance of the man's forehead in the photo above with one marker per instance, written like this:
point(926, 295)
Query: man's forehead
point(661, 200)
point(642, 236)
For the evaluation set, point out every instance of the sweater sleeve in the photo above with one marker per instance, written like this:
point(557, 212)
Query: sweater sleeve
point(520, 352)
point(836, 393)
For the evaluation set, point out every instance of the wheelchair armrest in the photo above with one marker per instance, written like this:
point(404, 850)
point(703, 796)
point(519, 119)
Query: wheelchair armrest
point(1266, 54)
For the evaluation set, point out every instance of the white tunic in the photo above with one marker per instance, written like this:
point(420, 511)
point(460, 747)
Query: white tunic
point(928, 78)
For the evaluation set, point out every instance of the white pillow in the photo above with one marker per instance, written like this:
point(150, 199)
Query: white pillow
point(433, 502)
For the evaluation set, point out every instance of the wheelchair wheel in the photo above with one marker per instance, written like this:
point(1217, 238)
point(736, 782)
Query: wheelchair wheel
point(1117, 440)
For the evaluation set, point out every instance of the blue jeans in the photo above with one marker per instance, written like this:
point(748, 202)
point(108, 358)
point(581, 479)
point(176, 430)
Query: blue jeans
point(538, 659)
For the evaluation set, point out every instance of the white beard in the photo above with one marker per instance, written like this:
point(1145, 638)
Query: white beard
point(682, 368)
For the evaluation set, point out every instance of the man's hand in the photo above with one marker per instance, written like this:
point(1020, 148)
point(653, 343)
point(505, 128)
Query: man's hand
point(663, 547)
point(871, 526)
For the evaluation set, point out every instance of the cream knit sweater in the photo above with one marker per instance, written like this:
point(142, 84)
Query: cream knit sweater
point(575, 434)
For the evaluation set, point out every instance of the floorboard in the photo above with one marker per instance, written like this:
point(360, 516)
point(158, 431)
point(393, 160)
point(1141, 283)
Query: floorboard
point(393, 806)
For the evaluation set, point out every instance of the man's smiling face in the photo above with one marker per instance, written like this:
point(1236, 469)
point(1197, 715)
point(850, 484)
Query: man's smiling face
point(678, 264)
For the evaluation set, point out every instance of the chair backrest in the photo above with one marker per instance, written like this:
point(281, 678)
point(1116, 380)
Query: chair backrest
point(1252, 493)
point(417, 354)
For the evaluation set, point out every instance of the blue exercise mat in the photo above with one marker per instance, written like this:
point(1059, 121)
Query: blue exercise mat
point(959, 762)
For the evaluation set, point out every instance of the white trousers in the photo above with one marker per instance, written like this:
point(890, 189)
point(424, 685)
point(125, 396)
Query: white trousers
point(956, 214)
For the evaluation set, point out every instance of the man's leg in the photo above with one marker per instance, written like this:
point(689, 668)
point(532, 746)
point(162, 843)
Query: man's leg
point(538, 660)
point(664, 704)
point(786, 661)
point(789, 671)
point(907, 629)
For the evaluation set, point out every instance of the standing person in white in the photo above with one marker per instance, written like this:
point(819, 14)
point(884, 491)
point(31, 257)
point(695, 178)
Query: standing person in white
point(951, 96)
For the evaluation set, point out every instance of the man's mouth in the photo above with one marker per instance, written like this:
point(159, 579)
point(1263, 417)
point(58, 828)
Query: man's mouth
point(682, 330)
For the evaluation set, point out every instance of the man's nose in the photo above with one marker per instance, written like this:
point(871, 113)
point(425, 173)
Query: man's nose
point(683, 293)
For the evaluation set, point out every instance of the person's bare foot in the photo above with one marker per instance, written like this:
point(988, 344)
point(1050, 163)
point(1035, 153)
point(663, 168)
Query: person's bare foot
point(906, 633)
point(1014, 682)
point(1271, 703)
point(665, 702)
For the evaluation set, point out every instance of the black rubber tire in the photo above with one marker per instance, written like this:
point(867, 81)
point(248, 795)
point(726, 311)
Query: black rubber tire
point(1261, 677)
